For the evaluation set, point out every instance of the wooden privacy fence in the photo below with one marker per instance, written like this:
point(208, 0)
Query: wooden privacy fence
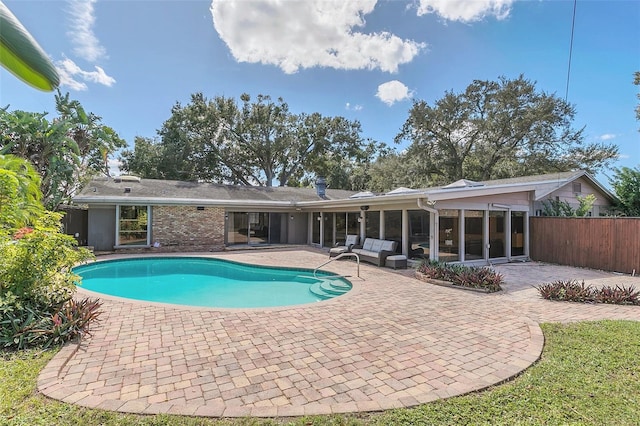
point(606, 243)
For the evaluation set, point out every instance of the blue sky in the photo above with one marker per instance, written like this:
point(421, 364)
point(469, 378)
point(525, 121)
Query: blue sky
point(131, 61)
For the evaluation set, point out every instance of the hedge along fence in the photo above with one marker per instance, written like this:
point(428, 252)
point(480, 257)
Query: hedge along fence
point(607, 243)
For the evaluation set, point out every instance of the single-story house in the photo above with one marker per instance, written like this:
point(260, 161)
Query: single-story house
point(464, 221)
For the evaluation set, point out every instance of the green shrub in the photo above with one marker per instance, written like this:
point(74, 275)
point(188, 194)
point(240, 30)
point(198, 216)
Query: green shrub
point(37, 285)
point(464, 276)
point(35, 265)
point(572, 291)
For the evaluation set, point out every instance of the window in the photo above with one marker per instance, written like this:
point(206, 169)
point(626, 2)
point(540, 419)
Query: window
point(517, 233)
point(341, 228)
point(473, 234)
point(133, 226)
point(353, 223)
point(497, 237)
point(327, 230)
point(315, 228)
point(577, 187)
point(448, 235)
point(372, 228)
point(419, 233)
point(393, 227)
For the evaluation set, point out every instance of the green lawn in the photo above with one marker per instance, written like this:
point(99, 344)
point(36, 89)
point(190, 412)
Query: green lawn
point(589, 374)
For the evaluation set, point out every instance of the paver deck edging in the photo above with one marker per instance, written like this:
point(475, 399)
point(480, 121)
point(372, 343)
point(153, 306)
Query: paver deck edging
point(391, 344)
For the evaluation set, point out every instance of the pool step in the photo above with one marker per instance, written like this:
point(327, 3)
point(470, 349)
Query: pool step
point(328, 288)
point(317, 290)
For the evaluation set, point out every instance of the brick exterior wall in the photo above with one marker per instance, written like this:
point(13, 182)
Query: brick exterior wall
point(184, 228)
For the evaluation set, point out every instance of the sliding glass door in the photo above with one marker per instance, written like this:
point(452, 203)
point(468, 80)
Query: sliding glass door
point(248, 228)
point(497, 236)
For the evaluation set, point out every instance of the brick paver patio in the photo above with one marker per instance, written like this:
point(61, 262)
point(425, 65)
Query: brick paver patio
point(392, 341)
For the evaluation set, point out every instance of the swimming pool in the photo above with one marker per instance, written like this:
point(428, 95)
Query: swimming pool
point(207, 282)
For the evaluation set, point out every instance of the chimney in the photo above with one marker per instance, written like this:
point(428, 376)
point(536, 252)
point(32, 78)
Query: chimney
point(321, 187)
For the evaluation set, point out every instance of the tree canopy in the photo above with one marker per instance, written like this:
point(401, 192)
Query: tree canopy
point(256, 142)
point(496, 129)
point(626, 184)
point(20, 196)
point(66, 151)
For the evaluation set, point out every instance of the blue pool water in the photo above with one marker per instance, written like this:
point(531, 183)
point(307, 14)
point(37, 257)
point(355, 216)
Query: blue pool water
point(209, 282)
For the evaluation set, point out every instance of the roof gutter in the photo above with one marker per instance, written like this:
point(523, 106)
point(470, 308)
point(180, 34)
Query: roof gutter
point(374, 200)
point(181, 201)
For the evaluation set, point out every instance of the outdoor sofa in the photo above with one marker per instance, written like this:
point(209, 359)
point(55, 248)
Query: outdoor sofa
point(375, 251)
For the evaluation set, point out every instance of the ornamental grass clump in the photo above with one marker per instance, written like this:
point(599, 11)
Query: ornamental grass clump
point(44, 327)
point(573, 291)
point(619, 295)
point(569, 290)
point(464, 276)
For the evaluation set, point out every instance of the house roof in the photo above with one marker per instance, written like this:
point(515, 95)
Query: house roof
point(552, 181)
point(542, 185)
point(105, 191)
point(152, 191)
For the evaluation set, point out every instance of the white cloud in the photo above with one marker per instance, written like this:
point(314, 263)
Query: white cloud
point(306, 34)
point(73, 77)
point(392, 92)
point(465, 10)
point(355, 107)
point(82, 19)
point(114, 166)
point(607, 136)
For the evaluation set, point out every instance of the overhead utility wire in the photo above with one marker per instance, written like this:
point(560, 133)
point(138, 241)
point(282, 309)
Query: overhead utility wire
point(573, 24)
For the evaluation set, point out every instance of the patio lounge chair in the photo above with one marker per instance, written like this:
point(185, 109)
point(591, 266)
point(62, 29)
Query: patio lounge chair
point(351, 241)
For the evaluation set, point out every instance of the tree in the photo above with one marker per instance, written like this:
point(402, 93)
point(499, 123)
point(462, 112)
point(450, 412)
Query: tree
point(563, 208)
point(144, 159)
point(66, 151)
point(585, 204)
point(94, 140)
point(20, 196)
point(626, 184)
point(497, 129)
point(392, 170)
point(249, 143)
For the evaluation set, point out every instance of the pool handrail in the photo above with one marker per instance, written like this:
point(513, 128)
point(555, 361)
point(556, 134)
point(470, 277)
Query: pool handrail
point(341, 255)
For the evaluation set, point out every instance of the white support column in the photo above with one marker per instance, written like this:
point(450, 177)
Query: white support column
point(321, 229)
point(526, 234)
point(461, 247)
point(434, 238)
point(117, 240)
point(333, 237)
point(485, 236)
point(381, 230)
point(508, 235)
point(405, 232)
